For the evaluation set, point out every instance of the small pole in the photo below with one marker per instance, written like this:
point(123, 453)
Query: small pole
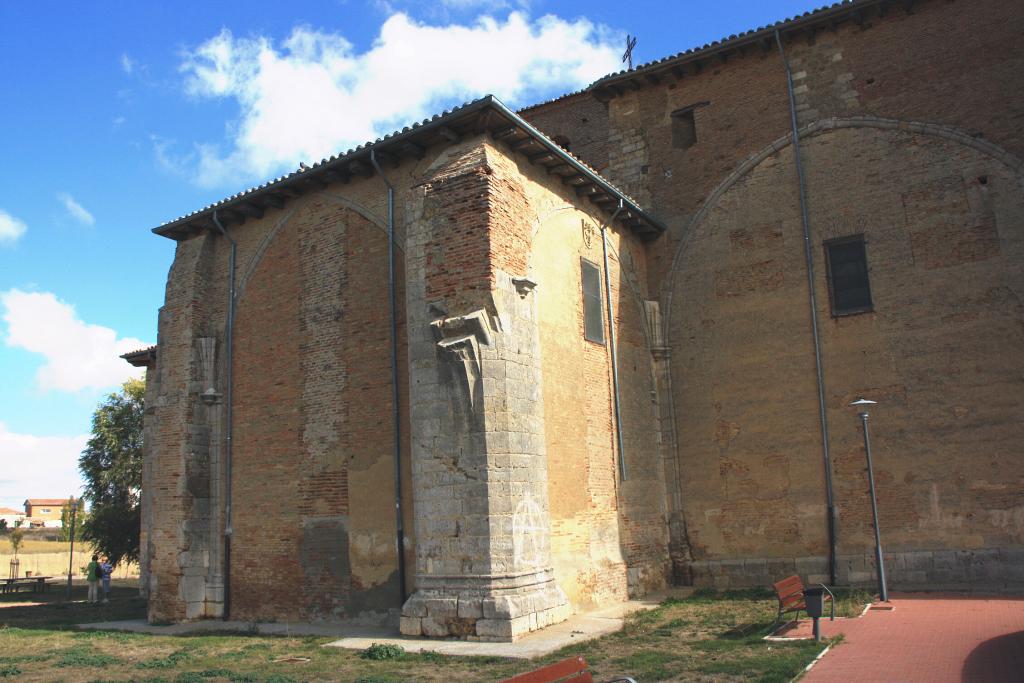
point(71, 560)
point(883, 592)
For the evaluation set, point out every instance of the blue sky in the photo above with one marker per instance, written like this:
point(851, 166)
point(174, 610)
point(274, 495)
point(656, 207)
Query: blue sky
point(119, 116)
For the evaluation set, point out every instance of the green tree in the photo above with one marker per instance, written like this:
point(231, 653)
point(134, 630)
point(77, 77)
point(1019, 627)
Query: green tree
point(112, 467)
point(16, 537)
point(65, 520)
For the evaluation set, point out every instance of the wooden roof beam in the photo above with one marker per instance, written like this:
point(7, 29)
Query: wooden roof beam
point(316, 182)
point(386, 158)
point(449, 134)
point(540, 156)
point(292, 190)
point(505, 133)
point(274, 200)
point(335, 176)
point(251, 209)
point(520, 145)
point(360, 168)
point(413, 150)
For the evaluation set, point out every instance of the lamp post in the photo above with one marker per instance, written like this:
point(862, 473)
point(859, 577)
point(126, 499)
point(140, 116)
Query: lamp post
point(862, 405)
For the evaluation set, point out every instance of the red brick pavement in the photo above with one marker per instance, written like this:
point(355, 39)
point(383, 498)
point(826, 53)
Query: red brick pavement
point(927, 637)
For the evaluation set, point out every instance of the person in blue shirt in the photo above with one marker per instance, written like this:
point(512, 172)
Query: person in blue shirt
point(106, 569)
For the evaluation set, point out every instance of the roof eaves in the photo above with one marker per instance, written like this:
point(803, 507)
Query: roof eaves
point(244, 201)
point(823, 15)
point(141, 357)
point(560, 98)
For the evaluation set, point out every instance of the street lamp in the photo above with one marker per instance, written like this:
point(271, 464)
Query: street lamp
point(862, 405)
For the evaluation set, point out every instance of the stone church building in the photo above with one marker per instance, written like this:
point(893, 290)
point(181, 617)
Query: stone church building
point(503, 366)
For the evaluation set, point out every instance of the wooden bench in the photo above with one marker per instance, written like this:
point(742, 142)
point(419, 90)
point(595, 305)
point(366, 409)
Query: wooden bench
point(36, 584)
point(790, 592)
point(572, 670)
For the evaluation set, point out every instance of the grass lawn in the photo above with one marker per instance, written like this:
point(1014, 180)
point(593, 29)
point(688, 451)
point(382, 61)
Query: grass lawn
point(708, 637)
point(32, 546)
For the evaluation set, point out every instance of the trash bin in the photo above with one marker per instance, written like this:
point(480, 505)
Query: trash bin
point(814, 599)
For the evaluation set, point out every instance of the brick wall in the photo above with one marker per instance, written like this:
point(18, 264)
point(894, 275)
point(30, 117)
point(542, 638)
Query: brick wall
point(940, 210)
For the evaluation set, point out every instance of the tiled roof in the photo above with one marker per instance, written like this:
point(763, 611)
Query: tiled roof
point(141, 357)
point(823, 17)
point(827, 15)
point(487, 113)
point(46, 501)
point(11, 511)
point(566, 96)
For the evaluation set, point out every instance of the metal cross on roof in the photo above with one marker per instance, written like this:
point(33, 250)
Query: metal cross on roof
point(627, 56)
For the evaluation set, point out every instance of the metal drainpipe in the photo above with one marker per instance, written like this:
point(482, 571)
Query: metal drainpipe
point(611, 340)
point(809, 257)
point(399, 523)
point(228, 411)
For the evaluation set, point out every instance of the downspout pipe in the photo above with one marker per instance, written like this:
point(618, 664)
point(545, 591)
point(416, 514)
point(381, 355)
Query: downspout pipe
point(612, 344)
point(399, 523)
point(229, 405)
point(812, 301)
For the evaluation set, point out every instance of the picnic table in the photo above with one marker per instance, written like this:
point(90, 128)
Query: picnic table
point(36, 584)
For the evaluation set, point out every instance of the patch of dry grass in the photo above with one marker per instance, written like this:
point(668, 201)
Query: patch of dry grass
point(709, 637)
point(31, 546)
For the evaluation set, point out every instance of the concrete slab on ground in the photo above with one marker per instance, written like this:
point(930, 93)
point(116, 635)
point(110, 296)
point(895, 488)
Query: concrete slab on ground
point(361, 635)
point(578, 628)
point(267, 629)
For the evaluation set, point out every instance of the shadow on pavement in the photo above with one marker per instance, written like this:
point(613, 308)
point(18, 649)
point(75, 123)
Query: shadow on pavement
point(994, 658)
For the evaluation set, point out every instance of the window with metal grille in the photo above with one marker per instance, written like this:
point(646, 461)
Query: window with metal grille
point(593, 327)
point(848, 285)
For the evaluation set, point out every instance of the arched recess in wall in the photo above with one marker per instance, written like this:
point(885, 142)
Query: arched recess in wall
point(818, 127)
point(310, 419)
point(742, 356)
point(269, 238)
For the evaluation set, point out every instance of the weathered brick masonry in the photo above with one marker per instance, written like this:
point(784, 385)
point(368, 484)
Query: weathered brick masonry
point(312, 531)
point(514, 509)
point(912, 137)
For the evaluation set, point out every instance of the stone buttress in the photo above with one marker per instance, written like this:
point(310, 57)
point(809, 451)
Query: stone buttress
point(181, 558)
point(483, 565)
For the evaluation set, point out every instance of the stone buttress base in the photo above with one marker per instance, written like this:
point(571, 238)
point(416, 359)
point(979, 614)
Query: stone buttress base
point(485, 608)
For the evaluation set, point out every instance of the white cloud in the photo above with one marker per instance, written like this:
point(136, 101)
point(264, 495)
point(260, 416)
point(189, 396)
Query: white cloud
point(77, 211)
point(10, 228)
point(315, 95)
point(78, 355)
point(485, 5)
point(46, 466)
point(127, 63)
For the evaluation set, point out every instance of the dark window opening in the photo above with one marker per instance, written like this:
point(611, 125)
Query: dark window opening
point(684, 129)
point(848, 285)
point(561, 141)
point(593, 327)
point(684, 126)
